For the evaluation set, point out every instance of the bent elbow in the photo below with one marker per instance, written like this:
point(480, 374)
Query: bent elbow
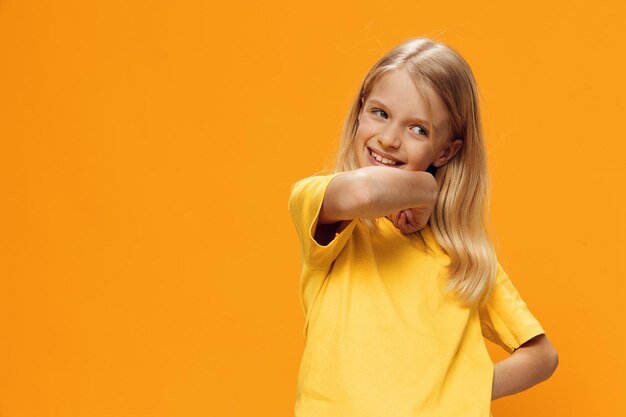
point(552, 362)
point(555, 362)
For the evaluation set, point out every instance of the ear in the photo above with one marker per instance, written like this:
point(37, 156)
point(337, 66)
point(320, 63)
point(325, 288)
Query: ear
point(448, 152)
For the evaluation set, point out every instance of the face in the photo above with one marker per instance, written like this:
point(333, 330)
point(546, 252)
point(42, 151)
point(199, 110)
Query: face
point(393, 127)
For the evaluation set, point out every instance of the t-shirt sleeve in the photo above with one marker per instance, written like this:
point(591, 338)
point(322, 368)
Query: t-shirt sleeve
point(506, 319)
point(305, 202)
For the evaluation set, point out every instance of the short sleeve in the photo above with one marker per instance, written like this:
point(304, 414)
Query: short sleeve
point(506, 319)
point(305, 203)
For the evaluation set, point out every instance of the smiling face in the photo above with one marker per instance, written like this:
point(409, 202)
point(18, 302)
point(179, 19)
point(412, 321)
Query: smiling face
point(394, 130)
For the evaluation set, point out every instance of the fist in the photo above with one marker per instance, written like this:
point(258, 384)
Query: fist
point(411, 220)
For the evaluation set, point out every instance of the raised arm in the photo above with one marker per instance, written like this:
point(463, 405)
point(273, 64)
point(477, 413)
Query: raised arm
point(375, 191)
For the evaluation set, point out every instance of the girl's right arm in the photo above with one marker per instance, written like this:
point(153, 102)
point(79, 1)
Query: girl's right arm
point(375, 191)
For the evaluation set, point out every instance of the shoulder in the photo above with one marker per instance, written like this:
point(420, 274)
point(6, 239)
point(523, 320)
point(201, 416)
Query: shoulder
point(307, 194)
point(311, 184)
point(319, 245)
point(506, 318)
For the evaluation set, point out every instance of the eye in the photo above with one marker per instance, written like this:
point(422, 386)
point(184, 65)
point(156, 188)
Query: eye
point(420, 131)
point(377, 111)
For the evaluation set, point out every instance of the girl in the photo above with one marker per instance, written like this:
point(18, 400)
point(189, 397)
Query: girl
point(400, 281)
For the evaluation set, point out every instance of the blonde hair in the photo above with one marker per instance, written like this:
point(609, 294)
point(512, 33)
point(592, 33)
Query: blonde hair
point(460, 217)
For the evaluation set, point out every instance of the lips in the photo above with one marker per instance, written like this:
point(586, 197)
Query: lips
point(380, 158)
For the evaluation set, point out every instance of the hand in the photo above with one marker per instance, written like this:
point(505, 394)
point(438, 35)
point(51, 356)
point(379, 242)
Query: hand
point(411, 220)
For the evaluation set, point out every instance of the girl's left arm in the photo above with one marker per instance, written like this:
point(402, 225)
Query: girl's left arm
point(530, 364)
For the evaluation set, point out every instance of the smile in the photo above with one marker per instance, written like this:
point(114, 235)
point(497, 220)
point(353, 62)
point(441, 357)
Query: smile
point(382, 160)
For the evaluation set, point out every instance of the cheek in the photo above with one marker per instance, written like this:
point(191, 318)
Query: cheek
point(360, 135)
point(420, 154)
point(365, 130)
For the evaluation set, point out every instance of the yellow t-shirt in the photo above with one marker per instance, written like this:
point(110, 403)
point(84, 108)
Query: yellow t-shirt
point(382, 339)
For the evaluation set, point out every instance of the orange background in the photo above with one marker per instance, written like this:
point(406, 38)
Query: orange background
point(148, 263)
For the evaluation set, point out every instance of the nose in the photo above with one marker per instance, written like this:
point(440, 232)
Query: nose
point(389, 137)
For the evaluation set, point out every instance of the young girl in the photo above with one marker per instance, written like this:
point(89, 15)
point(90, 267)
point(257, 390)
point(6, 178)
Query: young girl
point(400, 281)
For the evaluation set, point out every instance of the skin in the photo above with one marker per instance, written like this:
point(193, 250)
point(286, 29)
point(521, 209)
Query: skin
point(393, 123)
point(533, 362)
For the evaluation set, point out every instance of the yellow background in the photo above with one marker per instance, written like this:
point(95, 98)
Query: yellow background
point(148, 264)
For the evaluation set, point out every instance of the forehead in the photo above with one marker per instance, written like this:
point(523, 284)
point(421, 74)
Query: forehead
point(396, 90)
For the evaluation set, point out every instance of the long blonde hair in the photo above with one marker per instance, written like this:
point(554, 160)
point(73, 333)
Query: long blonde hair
point(460, 218)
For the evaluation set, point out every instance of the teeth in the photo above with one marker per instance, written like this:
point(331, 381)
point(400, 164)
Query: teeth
point(381, 159)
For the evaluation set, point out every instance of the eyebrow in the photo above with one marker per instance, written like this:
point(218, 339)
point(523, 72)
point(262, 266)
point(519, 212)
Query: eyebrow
point(417, 119)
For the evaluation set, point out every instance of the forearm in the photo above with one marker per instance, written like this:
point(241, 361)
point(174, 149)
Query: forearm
point(371, 192)
point(529, 365)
